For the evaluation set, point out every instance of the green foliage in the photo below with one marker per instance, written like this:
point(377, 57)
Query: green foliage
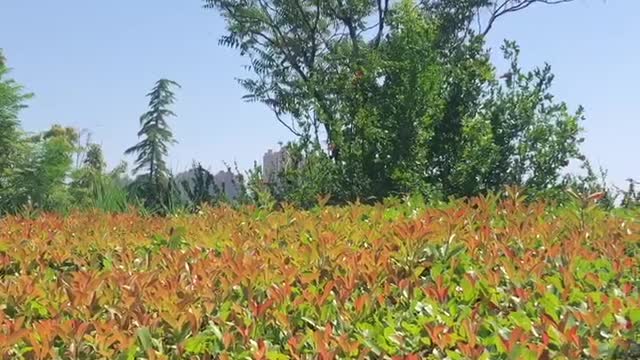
point(405, 95)
point(524, 136)
point(34, 170)
point(154, 186)
point(584, 185)
point(94, 159)
point(12, 144)
point(92, 187)
point(309, 174)
point(257, 190)
point(40, 181)
point(492, 277)
point(202, 190)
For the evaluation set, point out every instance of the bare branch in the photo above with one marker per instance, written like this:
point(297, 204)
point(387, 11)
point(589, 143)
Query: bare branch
point(289, 127)
point(510, 6)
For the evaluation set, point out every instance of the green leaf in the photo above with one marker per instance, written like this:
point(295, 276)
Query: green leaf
point(224, 311)
point(276, 355)
point(389, 331)
point(469, 292)
point(555, 335)
point(551, 305)
point(216, 331)
point(419, 270)
point(454, 355)
point(521, 320)
point(455, 250)
point(196, 345)
point(608, 320)
point(412, 329)
point(556, 281)
point(521, 353)
point(436, 270)
point(634, 315)
point(144, 336)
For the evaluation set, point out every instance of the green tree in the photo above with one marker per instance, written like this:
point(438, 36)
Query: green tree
point(87, 179)
point(94, 159)
point(202, 188)
point(12, 144)
point(404, 94)
point(519, 136)
point(153, 186)
point(41, 181)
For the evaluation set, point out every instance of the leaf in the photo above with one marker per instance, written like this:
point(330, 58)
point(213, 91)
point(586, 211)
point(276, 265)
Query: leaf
point(436, 271)
point(551, 305)
point(520, 352)
point(412, 329)
point(216, 331)
point(634, 315)
point(521, 319)
point(361, 302)
point(145, 338)
point(469, 291)
point(199, 344)
point(595, 197)
point(276, 355)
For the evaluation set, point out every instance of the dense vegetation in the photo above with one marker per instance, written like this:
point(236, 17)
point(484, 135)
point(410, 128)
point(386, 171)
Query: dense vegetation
point(384, 98)
point(405, 95)
point(387, 234)
point(483, 279)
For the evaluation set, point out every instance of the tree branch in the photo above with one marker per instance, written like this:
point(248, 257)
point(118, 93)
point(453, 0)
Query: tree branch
point(382, 14)
point(505, 8)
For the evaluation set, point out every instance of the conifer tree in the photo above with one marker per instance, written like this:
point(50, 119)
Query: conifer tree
point(152, 150)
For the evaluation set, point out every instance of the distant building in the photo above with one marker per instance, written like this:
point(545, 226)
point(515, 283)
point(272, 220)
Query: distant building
point(273, 162)
point(228, 183)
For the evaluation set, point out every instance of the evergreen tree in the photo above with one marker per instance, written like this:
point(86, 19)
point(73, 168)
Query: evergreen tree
point(152, 150)
point(12, 144)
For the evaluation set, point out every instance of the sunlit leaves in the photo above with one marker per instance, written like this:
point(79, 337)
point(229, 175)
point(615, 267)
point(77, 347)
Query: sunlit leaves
point(479, 280)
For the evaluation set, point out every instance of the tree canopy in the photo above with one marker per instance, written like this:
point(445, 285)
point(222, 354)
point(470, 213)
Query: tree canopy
point(404, 94)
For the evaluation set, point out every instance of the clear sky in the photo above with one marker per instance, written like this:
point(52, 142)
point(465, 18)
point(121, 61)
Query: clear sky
point(90, 64)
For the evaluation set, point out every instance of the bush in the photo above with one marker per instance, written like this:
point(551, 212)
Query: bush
point(493, 277)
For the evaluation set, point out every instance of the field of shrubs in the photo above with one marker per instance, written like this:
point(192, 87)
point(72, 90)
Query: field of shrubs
point(485, 278)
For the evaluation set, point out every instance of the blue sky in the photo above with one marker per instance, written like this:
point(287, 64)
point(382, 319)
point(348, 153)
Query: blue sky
point(90, 64)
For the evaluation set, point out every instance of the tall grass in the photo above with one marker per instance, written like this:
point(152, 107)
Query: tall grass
point(109, 196)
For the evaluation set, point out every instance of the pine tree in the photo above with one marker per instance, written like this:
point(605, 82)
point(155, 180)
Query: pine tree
point(153, 148)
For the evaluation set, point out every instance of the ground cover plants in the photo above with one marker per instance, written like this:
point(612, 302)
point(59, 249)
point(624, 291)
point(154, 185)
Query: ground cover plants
point(486, 278)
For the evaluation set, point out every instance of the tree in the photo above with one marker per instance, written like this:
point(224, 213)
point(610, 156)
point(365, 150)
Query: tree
point(94, 159)
point(152, 150)
point(41, 180)
point(202, 189)
point(32, 170)
point(87, 179)
point(405, 94)
point(630, 196)
point(12, 144)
